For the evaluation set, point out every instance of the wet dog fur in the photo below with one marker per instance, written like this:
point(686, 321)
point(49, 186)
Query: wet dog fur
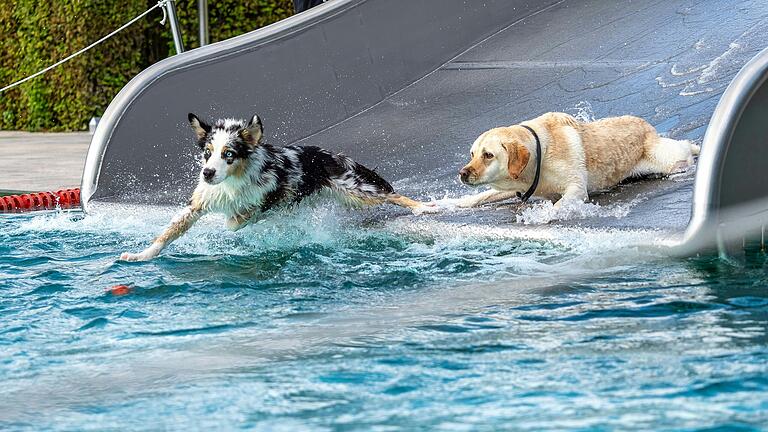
point(578, 158)
point(242, 177)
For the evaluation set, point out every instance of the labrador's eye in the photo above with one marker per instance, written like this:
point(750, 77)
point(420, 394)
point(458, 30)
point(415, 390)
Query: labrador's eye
point(229, 154)
point(207, 154)
point(488, 155)
point(472, 154)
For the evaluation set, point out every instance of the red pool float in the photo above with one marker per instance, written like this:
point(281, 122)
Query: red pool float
point(64, 198)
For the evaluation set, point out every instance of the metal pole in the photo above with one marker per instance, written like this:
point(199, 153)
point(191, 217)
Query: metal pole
point(202, 12)
point(170, 7)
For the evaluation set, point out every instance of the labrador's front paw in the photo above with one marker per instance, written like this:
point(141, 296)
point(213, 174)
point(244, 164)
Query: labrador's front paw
point(425, 208)
point(466, 202)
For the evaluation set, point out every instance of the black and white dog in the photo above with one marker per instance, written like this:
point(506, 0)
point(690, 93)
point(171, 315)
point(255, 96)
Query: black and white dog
point(243, 178)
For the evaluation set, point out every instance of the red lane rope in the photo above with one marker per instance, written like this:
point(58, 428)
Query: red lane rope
point(64, 199)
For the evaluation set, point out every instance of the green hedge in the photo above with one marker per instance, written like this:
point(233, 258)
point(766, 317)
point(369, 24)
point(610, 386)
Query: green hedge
point(34, 34)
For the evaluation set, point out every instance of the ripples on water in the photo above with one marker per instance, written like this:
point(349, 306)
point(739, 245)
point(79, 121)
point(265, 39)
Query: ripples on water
point(324, 318)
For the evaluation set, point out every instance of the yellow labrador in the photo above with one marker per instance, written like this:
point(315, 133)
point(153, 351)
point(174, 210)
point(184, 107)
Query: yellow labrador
point(576, 158)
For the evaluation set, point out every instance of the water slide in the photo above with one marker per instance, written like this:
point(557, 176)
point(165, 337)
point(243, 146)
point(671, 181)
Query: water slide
point(405, 86)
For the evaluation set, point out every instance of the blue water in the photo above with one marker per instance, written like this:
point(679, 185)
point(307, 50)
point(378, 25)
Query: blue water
point(326, 319)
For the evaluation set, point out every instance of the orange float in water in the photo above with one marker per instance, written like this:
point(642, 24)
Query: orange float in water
point(119, 290)
point(64, 199)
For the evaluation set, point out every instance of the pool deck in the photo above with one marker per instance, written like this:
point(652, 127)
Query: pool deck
point(33, 162)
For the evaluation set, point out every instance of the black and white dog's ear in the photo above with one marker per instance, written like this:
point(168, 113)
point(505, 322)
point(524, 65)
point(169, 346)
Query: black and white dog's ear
point(199, 126)
point(254, 130)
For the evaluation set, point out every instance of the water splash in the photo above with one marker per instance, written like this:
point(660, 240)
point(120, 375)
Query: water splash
point(319, 304)
point(584, 112)
point(543, 212)
point(694, 78)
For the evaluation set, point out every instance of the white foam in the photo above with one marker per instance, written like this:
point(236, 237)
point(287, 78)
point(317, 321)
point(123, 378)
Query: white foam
point(535, 247)
point(694, 77)
point(584, 112)
point(127, 223)
point(543, 212)
point(678, 70)
point(711, 70)
point(136, 225)
point(547, 238)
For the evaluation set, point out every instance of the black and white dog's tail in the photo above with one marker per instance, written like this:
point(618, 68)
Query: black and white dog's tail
point(355, 183)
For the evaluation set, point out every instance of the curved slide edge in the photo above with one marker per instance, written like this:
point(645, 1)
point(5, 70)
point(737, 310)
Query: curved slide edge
point(730, 199)
point(302, 75)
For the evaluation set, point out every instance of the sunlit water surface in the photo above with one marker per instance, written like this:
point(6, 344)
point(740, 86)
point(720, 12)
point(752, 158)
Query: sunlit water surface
point(328, 319)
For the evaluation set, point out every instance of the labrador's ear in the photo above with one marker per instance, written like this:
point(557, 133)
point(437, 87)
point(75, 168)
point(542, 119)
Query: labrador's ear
point(518, 157)
point(199, 126)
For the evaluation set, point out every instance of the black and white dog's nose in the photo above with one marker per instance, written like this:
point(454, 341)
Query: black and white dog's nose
point(208, 173)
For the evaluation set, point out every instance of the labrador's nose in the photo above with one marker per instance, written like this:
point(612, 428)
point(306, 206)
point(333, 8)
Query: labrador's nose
point(464, 174)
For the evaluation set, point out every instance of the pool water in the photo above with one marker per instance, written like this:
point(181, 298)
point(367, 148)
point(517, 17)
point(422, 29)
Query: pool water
point(328, 319)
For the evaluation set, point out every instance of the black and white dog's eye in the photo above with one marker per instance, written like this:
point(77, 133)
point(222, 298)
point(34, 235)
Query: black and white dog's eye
point(229, 154)
point(207, 154)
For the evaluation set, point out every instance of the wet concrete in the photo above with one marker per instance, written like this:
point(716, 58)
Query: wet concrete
point(32, 162)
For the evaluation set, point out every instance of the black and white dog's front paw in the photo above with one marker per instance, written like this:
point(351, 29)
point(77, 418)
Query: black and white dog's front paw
point(145, 255)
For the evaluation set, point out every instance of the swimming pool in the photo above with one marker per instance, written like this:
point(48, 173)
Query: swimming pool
point(324, 318)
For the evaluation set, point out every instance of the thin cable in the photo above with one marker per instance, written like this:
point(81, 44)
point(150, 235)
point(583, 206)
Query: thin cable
point(160, 3)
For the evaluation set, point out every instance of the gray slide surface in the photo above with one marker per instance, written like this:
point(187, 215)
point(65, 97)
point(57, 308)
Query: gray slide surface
point(405, 86)
point(730, 202)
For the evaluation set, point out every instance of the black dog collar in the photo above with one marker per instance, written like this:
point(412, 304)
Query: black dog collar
point(529, 192)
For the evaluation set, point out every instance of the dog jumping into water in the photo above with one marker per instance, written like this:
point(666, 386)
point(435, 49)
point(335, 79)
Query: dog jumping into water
point(243, 178)
point(558, 157)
